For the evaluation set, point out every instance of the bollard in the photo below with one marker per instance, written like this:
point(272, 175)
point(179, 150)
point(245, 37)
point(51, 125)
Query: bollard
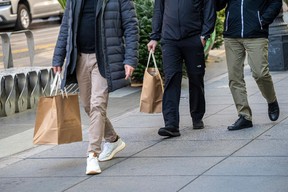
point(21, 92)
point(10, 95)
point(2, 96)
point(33, 89)
point(45, 81)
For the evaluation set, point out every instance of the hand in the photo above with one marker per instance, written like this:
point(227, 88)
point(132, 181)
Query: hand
point(57, 69)
point(152, 45)
point(203, 41)
point(128, 71)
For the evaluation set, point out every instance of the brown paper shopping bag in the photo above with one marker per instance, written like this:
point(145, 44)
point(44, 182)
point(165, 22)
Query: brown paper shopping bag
point(58, 120)
point(152, 89)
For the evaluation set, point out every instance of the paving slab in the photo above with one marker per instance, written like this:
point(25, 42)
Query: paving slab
point(46, 167)
point(265, 148)
point(190, 148)
point(132, 183)
point(238, 184)
point(162, 166)
point(251, 166)
point(43, 184)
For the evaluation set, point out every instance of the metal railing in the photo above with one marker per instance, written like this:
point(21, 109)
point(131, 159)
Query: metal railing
point(21, 87)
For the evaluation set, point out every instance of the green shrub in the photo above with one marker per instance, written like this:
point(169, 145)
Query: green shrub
point(219, 29)
point(144, 9)
point(62, 3)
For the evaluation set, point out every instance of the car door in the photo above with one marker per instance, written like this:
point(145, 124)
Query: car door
point(42, 8)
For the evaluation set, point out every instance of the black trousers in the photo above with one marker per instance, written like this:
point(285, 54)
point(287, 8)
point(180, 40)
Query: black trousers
point(191, 52)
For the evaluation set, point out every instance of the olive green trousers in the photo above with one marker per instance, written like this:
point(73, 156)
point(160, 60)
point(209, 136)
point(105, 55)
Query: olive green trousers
point(257, 52)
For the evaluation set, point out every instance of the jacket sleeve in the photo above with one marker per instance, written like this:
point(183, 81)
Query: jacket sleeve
point(60, 48)
point(209, 18)
point(271, 11)
point(157, 20)
point(220, 4)
point(131, 32)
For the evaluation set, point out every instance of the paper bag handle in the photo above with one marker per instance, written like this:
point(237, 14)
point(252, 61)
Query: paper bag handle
point(154, 60)
point(56, 84)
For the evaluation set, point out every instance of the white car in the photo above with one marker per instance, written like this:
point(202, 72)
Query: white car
point(19, 13)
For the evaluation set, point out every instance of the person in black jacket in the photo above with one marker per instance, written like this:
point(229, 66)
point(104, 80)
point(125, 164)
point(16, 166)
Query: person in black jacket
point(98, 40)
point(183, 26)
point(246, 30)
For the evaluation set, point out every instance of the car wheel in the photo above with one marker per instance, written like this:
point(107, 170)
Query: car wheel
point(23, 17)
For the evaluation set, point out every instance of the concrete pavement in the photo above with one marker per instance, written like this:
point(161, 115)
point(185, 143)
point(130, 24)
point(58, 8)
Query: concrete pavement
point(209, 160)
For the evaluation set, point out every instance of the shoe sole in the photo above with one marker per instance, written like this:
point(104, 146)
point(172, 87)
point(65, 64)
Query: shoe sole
point(94, 172)
point(200, 127)
point(118, 149)
point(240, 128)
point(168, 133)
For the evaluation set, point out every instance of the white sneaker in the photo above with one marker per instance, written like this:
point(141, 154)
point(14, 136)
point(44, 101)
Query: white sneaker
point(92, 165)
point(110, 149)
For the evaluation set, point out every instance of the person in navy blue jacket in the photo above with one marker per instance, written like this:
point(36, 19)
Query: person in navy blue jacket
point(98, 47)
point(246, 30)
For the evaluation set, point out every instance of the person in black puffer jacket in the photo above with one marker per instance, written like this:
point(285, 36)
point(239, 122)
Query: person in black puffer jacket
point(246, 31)
point(98, 40)
point(183, 26)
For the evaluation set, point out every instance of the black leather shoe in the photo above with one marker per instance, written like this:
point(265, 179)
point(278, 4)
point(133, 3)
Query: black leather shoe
point(198, 125)
point(241, 123)
point(169, 131)
point(273, 111)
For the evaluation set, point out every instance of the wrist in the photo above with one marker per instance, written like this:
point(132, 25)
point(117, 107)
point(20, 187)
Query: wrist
point(204, 37)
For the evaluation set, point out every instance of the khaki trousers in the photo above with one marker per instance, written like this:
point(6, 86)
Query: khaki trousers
point(94, 98)
point(257, 51)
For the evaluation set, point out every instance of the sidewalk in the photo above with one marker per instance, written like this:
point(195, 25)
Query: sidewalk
point(209, 160)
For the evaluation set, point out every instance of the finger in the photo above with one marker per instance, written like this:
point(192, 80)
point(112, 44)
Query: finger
point(149, 47)
point(54, 70)
point(128, 75)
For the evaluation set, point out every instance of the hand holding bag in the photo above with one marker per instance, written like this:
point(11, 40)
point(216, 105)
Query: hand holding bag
point(152, 89)
point(58, 118)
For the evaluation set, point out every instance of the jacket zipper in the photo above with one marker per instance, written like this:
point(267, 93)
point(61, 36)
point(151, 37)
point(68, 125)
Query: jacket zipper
point(227, 18)
point(259, 20)
point(242, 18)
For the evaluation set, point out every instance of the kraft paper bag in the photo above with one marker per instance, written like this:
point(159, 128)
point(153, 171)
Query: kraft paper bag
point(58, 120)
point(152, 89)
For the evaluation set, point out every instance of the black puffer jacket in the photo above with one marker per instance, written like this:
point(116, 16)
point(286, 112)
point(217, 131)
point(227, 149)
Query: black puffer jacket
point(179, 19)
point(115, 19)
point(248, 18)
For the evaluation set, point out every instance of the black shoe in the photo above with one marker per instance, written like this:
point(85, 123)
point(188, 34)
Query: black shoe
point(273, 111)
point(241, 123)
point(169, 131)
point(198, 124)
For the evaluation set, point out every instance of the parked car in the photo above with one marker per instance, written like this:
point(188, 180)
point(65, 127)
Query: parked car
point(20, 13)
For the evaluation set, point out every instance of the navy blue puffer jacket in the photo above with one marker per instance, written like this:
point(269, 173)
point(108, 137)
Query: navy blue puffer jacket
point(117, 37)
